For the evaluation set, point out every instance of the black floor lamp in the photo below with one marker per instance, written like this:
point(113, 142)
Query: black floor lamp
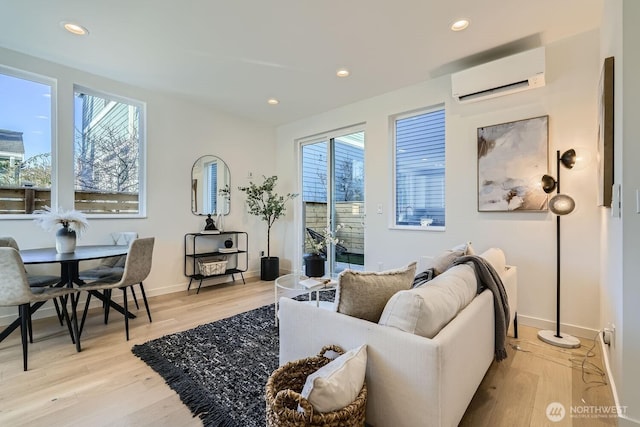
point(560, 204)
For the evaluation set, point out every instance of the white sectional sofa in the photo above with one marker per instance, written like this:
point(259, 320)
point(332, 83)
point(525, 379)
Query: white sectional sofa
point(412, 380)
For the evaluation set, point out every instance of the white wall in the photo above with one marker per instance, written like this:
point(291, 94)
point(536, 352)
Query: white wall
point(611, 295)
point(178, 132)
point(527, 238)
point(620, 293)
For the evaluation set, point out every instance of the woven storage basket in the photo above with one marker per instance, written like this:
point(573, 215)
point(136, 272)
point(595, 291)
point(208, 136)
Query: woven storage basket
point(212, 267)
point(283, 397)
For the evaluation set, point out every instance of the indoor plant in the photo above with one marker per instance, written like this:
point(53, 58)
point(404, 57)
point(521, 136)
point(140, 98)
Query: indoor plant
point(73, 223)
point(317, 245)
point(265, 203)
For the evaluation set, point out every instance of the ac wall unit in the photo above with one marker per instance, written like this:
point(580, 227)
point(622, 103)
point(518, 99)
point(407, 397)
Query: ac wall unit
point(522, 71)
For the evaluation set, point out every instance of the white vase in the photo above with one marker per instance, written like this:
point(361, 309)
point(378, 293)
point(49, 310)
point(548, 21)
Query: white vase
point(65, 240)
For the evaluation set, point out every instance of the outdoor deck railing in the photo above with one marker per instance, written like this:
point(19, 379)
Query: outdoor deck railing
point(26, 200)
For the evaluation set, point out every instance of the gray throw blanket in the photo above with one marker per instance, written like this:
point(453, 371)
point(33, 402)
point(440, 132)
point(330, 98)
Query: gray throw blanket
point(488, 278)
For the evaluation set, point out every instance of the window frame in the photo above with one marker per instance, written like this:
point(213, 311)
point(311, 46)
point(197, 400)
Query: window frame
point(53, 84)
point(142, 146)
point(393, 135)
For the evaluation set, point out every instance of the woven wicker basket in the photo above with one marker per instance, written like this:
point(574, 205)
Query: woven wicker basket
point(212, 267)
point(283, 397)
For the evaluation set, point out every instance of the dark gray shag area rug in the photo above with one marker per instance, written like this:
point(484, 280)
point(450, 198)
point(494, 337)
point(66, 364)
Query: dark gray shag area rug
point(220, 369)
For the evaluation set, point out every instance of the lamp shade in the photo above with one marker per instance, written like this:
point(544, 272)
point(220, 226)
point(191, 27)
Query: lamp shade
point(568, 158)
point(561, 204)
point(548, 183)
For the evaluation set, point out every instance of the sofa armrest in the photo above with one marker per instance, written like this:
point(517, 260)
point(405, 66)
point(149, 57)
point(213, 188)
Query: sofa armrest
point(402, 368)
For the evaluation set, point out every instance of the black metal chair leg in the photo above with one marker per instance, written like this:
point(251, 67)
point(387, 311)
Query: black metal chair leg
point(146, 303)
point(63, 303)
point(24, 324)
point(126, 313)
point(74, 321)
point(135, 298)
point(30, 325)
point(106, 305)
point(84, 313)
point(515, 325)
point(58, 312)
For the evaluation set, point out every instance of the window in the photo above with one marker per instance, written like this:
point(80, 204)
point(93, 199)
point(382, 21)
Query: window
point(26, 129)
point(108, 154)
point(212, 169)
point(419, 143)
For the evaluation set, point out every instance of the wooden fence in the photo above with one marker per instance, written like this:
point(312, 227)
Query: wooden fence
point(26, 200)
point(351, 214)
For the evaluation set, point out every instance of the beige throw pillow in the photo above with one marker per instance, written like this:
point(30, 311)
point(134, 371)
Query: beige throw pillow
point(364, 294)
point(337, 383)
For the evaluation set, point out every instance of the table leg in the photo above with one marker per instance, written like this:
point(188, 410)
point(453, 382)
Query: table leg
point(69, 275)
point(275, 291)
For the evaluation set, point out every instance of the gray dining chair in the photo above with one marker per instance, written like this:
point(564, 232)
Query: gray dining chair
point(136, 269)
point(35, 280)
point(15, 291)
point(111, 269)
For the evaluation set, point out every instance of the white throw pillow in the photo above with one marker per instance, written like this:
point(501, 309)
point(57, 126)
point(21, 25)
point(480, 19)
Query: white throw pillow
point(442, 261)
point(337, 383)
point(425, 310)
point(495, 257)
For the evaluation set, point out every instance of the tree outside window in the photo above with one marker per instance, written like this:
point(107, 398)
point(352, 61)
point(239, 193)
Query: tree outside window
point(107, 154)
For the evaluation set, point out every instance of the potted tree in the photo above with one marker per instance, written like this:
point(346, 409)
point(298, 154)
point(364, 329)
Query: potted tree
point(265, 203)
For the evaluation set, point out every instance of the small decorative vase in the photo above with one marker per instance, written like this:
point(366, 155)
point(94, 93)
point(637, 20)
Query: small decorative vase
point(219, 222)
point(314, 265)
point(228, 243)
point(65, 240)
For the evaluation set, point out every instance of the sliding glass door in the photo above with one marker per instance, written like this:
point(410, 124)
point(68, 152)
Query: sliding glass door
point(333, 197)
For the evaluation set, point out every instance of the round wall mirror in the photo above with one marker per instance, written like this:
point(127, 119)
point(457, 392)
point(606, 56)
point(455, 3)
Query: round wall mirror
point(210, 185)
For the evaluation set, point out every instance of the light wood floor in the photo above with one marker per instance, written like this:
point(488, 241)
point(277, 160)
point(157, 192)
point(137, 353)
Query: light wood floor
point(106, 385)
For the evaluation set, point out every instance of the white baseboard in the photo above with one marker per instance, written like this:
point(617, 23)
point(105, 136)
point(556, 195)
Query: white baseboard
point(578, 331)
point(623, 420)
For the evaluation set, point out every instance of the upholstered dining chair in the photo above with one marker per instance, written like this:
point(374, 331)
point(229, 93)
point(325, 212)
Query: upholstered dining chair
point(136, 269)
point(35, 280)
point(15, 291)
point(111, 268)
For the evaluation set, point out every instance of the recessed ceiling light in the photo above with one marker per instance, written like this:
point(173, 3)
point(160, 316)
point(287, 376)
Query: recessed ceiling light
point(459, 25)
point(272, 101)
point(342, 72)
point(74, 28)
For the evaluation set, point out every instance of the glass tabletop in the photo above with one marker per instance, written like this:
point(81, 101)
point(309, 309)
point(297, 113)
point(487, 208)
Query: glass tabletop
point(298, 281)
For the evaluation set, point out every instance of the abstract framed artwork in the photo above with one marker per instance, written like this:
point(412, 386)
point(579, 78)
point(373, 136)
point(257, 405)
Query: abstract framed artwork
point(605, 134)
point(512, 157)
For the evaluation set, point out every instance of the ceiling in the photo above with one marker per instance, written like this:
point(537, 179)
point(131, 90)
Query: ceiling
point(235, 54)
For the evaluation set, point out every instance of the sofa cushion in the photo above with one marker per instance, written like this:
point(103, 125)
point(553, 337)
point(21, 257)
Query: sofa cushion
point(338, 383)
point(496, 258)
point(442, 261)
point(427, 309)
point(364, 294)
